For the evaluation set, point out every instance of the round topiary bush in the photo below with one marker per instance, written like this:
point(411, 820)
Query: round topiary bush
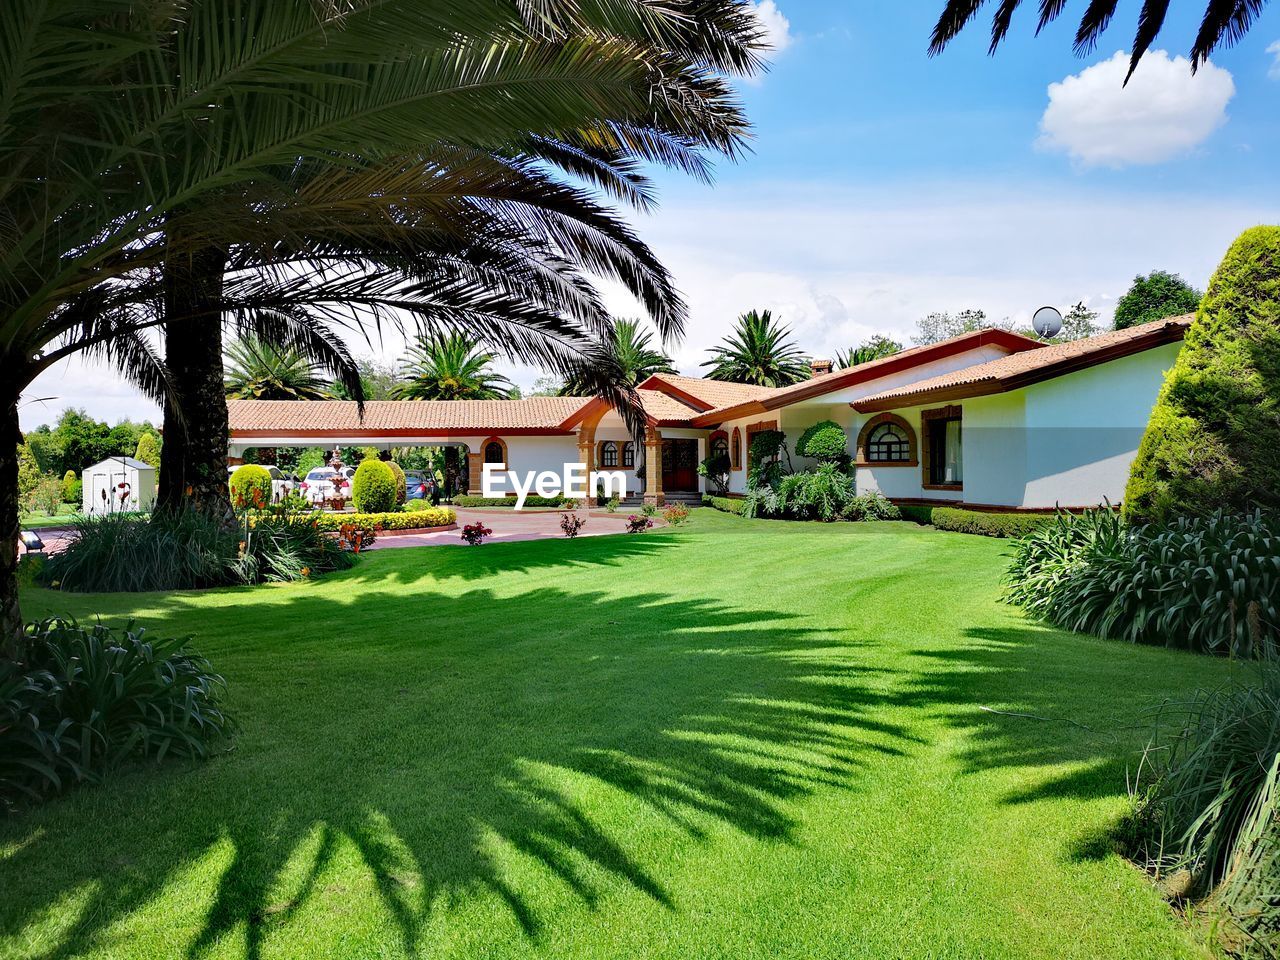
point(250, 487)
point(373, 488)
point(825, 440)
point(1213, 441)
point(402, 489)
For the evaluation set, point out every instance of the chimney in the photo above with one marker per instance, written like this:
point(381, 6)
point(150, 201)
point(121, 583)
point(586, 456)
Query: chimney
point(819, 367)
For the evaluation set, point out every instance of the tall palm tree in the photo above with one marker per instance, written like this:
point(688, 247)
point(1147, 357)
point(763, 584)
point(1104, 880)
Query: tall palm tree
point(759, 351)
point(137, 162)
point(875, 348)
point(1224, 22)
point(637, 356)
point(450, 367)
point(257, 370)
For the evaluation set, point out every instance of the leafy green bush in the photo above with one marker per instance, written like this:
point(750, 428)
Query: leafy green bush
point(726, 504)
point(470, 501)
point(1208, 820)
point(418, 519)
point(825, 440)
point(917, 514)
point(148, 449)
point(987, 524)
point(1202, 583)
point(767, 452)
point(416, 506)
point(1213, 441)
point(820, 494)
point(88, 698)
point(72, 487)
point(870, 506)
point(716, 469)
point(373, 488)
point(250, 487)
point(402, 484)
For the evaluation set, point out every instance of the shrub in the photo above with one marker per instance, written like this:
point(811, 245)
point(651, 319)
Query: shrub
point(1213, 441)
point(768, 449)
point(825, 440)
point(1209, 818)
point(649, 510)
point(820, 494)
point(89, 698)
point(917, 514)
point(148, 449)
point(46, 496)
point(373, 488)
point(1203, 583)
point(417, 518)
point(473, 534)
point(613, 504)
point(415, 506)
point(531, 501)
point(638, 524)
point(278, 547)
point(72, 487)
point(250, 487)
point(725, 504)
point(676, 514)
point(716, 469)
point(571, 523)
point(870, 506)
point(987, 524)
point(402, 484)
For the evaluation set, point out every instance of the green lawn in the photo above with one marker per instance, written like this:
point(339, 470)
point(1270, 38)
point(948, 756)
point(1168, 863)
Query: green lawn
point(67, 514)
point(731, 739)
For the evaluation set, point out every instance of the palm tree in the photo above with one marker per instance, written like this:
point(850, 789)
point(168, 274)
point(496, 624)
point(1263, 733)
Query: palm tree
point(1224, 22)
point(636, 355)
point(259, 371)
point(138, 164)
point(759, 352)
point(875, 348)
point(452, 367)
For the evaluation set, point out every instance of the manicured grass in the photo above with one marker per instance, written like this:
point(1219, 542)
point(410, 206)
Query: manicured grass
point(67, 514)
point(728, 739)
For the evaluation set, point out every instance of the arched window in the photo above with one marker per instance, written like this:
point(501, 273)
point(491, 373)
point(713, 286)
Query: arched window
point(735, 450)
point(887, 440)
point(495, 452)
point(608, 454)
point(720, 446)
point(628, 454)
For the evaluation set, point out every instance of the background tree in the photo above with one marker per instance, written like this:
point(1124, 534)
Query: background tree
point(452, 367)
point(257, 370)
point(1213, 441)
point(1078, 323)
point(547, 386)
point(1223, 23)
point(937, 326)
point(377, 379)
point(636, 355)
point(873, 348)
point(148, 449)
point(1155, 296)
point(759, 351)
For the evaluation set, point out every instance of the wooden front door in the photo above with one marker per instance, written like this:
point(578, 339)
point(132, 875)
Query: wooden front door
point(680, 465)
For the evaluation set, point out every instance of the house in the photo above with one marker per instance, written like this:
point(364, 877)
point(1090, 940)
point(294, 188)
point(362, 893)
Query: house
point(986, 420)
point(118, 484)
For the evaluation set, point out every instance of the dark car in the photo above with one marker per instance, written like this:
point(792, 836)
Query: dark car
point(415, 485)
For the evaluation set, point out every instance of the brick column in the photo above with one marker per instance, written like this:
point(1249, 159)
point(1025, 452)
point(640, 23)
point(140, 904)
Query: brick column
point(653, 468)
point(475, 468)
point(587, 451)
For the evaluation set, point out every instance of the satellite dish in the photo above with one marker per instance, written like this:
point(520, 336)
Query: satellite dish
point(1047, 322)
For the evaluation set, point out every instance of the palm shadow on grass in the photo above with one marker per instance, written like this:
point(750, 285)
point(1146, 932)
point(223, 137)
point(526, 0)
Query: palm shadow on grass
point(447, 738)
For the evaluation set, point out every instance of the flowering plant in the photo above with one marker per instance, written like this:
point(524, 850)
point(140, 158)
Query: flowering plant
point(639, 524)
point(473, 534)
point(675, 514)
point(571, 523)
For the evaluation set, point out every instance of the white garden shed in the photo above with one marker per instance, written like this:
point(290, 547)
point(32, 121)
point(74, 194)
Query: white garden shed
point(118, 484)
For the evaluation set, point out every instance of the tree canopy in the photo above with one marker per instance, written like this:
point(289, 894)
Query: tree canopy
point(453, 367)
point(1155, 296)
point(759, 351)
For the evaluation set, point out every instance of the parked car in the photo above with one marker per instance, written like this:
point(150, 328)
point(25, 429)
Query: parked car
point(322, 484)
point(415, 485)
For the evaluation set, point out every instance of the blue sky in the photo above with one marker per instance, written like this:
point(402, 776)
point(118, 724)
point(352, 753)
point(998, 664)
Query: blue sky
point(883, 184)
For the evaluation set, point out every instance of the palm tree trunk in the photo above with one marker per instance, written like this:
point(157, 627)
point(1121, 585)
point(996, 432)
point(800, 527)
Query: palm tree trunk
point(11, 643)
point(193, 459)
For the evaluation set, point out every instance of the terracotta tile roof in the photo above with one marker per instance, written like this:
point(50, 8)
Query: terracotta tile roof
point(664, 409)
point(712, 393)
point(1021, 369)
point(405, 416)
point(838, 379)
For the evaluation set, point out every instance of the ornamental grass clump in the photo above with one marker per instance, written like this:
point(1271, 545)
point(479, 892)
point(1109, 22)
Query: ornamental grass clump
point(87, 699)
point(1210, 584)
point(1207, 808)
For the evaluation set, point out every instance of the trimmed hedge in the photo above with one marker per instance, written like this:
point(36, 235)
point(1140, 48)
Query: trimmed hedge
point(986, 524)
point(1213, 441)
point(917, 514)
point(373, 488)
point(248, 480)
point(725, 504)
point(402, 484)
point(825, 440)
point(417, 520)
point(469, 501)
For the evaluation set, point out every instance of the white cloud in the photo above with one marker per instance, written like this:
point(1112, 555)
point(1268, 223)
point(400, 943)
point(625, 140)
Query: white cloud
point(1274, 50)
point(1164, 111)
point(777, 28)
point(840, 264)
